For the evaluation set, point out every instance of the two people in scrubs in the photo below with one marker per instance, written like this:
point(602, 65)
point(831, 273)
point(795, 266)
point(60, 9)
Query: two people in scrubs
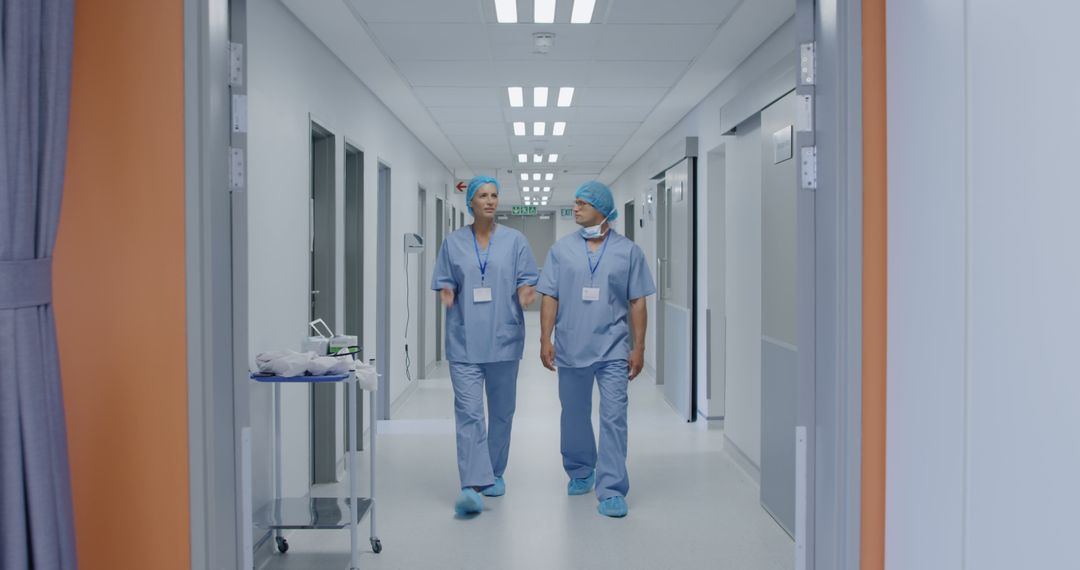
point(484, 273)
point(594, 286)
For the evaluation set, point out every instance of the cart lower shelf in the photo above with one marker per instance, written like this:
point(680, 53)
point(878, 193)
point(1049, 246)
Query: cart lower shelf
point(313, 513)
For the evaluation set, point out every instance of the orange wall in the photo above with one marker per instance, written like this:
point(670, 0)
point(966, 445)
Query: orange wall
point(119, 287)
point(875, 219)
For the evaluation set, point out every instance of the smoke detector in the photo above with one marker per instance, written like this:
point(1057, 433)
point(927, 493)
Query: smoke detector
point(542, 42)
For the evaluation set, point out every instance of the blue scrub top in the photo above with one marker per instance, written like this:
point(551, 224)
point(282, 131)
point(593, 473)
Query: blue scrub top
point(587, 332)
point(494, 331)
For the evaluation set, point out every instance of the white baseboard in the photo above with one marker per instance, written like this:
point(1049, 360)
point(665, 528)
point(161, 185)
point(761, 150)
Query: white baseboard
point(742, 460)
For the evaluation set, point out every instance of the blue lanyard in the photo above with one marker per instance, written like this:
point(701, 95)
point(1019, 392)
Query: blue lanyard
point(588, 255)
point(487, 255)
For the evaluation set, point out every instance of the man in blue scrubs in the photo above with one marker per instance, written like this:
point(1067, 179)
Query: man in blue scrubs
point(594, 285)
point(484, 274)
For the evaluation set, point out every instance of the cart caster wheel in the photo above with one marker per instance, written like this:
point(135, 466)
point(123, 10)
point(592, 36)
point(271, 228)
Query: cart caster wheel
point(282, 544)
point(376, 545)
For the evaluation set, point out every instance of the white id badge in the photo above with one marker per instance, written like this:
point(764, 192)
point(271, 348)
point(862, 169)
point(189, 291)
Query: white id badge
point(590, 294)
point(481, 295)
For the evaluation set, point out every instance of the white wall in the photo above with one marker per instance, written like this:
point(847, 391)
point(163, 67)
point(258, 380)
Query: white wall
point(983, 279)
point(292, 74)
point(743, 220)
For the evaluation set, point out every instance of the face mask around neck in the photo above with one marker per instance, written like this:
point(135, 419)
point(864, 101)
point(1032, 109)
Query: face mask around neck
point(593, 232)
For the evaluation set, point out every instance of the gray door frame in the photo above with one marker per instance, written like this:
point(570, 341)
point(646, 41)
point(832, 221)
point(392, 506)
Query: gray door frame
point(440, 235)
point(382, 291)
point(216, 285)
point(354, 270)
point(322, 287)
point(421, 296)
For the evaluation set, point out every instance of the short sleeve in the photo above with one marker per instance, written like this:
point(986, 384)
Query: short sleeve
point(549, 277)
point(443, 276)
point(527, 273)
point(641, 281)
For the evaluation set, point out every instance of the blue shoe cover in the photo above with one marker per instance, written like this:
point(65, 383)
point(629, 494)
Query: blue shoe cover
point(496, 490)
point(612, 507)
point(581, 486)
point(468, 502)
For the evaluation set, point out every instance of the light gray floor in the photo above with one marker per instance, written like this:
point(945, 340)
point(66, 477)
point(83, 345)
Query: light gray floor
point(690, 505)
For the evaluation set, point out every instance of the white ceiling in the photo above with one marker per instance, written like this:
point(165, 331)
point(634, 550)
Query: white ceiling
point(443, 66)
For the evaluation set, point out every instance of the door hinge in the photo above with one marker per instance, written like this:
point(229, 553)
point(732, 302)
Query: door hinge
point(809, 167)
point(236, 64)
point(237, 172)
point(807, 64)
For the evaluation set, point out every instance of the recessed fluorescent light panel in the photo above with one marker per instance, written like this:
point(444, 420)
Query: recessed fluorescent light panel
point(524, 176)
point(519, 129)
point(516, 95)
point(539, 129)
point(547, 189)
point(559, 129)
point(552, 158)
point(566, 96)
point(540, 96)
point(506, 11)
point(549, 176)
point(544, 11)
point(523, 158)
point(536, 176)
point(582, 13)
point(538, 158)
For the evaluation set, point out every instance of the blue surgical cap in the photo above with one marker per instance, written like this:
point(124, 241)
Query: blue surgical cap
point(599, 196)
point(475, 184)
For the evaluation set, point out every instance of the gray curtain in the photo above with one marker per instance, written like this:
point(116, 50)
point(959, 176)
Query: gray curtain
point(36, 528)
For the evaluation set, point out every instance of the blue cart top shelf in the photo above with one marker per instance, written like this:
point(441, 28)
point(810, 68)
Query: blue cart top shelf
point(324, 378)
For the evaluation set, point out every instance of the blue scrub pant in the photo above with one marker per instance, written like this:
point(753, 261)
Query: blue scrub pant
point(482, 451)
point(578, 445)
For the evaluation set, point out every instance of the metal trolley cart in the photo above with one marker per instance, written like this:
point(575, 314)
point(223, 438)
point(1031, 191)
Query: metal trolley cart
point(330, 512)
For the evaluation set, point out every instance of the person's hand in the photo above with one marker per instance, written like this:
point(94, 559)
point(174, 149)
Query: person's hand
point(447, 297)
point(636, 361)
point(526, 296)
point(547, 354)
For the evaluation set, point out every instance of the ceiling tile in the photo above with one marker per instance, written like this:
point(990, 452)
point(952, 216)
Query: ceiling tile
point(418, 10)
point(653, 42)
point(613, 96)
point(636, 73)
point(403, 42)
point(459, 96)
point(467, 114)
point(671, 12)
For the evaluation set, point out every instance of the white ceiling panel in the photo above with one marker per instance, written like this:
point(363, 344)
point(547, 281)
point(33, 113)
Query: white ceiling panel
point(459, 96)
point(571, 42)
point(636, 73)
point(443, 66)
point(487, 129)
point(403, 42)
point(616, 129)
point(604, 96)
point(671, 12)
point(653, 42)
point(418, 10)
point(468, 114)
point(546, 72)
point(613, 114)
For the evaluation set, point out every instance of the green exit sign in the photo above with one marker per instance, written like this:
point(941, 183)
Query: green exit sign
point(523, 210)
point(566, 212)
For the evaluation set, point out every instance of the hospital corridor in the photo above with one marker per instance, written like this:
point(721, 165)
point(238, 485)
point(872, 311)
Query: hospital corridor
point(538, 284)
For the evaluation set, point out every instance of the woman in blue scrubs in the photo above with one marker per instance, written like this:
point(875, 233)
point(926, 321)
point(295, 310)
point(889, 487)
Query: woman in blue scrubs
point(485, 273)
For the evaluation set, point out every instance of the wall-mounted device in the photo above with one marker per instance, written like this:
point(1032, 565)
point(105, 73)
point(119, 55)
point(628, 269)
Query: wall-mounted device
point(414, 243)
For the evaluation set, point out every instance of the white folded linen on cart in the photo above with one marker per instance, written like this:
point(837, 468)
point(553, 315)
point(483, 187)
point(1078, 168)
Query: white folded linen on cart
point(292, 363)
point(366, 377)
